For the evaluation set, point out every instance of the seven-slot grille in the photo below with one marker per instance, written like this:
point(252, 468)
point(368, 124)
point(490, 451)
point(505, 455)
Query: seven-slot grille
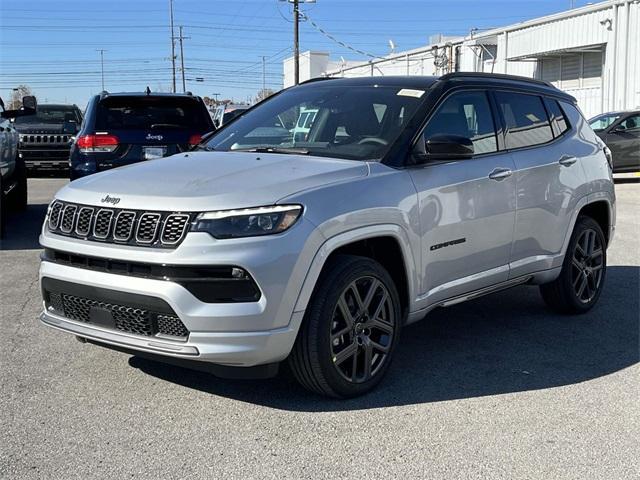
point(150, 229)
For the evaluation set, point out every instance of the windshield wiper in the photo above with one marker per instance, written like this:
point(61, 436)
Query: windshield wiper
point(285, 150)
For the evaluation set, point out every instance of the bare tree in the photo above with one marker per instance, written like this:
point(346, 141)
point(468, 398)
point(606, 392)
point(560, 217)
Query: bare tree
point(16, 96)
point(264, 93)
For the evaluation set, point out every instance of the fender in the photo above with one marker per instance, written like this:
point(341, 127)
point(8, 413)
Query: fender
point(583, 202)
point(350, 236)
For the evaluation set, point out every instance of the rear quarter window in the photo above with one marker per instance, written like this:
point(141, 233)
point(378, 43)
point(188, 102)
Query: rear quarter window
point(526, 119)
point(558, 116)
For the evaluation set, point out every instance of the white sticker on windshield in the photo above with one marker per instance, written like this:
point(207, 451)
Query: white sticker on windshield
point(408, 92)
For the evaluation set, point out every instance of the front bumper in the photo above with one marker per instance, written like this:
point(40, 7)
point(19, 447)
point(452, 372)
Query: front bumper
point(236, 334)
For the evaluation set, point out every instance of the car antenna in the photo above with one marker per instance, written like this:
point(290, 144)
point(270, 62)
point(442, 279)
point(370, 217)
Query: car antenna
point(148, 90)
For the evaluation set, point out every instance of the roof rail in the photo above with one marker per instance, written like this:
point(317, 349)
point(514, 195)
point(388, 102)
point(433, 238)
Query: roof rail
point(497, 76)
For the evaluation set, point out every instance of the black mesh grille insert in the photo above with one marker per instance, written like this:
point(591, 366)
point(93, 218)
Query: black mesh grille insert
point(83, 226)
point(171, 325)
point(174, 227)
point(102, 223)
point(68, 218)
point(54, 215)
point(124, 226)
point(130, 319)
point(147, 227)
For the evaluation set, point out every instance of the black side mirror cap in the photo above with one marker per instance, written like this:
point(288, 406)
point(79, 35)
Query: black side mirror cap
point(444, 147)
point(29, 102)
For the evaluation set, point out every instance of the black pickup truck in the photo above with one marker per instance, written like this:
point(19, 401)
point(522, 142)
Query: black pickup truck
point(46, 137)
point(13, 175)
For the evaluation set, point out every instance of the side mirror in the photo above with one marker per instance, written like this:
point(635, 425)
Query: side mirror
point(444, 147)
point(29, 102)
point(69, 127)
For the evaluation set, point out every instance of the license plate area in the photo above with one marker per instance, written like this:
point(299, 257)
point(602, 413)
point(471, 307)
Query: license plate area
point(151, 153)
point(102, 317)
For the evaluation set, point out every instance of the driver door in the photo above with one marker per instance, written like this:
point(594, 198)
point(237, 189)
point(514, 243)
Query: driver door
point(467, 207)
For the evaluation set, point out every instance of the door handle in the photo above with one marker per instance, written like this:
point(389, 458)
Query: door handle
point(500, 174)
point(567, 160)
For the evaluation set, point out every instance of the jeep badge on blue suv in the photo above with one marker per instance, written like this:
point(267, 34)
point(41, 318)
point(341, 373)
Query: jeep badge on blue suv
point(124, 128)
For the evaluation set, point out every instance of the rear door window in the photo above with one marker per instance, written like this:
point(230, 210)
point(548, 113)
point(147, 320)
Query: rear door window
point(526, 119)
point(151, 113)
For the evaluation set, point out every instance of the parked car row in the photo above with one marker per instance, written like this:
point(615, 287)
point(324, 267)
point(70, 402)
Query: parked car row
point(13, 173)
point(621, 132)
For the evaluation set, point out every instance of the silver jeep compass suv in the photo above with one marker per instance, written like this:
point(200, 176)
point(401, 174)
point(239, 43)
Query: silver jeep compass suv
point(405, 194)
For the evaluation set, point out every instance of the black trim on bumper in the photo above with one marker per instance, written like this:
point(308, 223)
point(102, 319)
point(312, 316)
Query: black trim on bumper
point(210, 284)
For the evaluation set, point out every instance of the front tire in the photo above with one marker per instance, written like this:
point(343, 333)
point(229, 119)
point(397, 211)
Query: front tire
point(580, 283)
point(350, 329)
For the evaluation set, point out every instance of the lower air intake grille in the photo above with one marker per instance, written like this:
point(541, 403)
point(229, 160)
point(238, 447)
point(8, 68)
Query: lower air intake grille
point(130, 319)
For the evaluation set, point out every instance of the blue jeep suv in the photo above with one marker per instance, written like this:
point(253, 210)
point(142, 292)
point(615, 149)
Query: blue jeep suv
point(124, 128)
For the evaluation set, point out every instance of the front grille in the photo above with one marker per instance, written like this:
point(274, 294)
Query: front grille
point(141, 228)
point(83, 225)
point(147, 227)
point(174, 227)
point(126, 318)
point(124, 226)
point(102, 224)
point(68, 218)
point(54, 215)
point(27, 139)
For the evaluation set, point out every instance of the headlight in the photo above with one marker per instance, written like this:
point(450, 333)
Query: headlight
point(248, 222)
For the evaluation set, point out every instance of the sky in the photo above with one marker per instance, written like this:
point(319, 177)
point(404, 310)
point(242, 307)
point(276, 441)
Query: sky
point(52, 46)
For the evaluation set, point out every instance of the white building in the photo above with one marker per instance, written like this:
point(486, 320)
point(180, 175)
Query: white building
point(591, 52)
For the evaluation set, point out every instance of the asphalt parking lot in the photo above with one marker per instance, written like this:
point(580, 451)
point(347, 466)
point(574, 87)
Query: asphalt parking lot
point(495, 388)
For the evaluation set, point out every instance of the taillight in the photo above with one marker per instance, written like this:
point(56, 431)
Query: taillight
point(97, 143)
point(195, 139)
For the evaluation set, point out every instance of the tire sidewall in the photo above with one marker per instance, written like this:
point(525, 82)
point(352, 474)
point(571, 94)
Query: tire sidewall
point(328, 294)
point(583, 223)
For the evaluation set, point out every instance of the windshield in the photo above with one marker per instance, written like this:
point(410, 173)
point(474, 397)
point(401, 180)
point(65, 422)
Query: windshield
point(51, 114)
point(350, 122)
point(604, 121)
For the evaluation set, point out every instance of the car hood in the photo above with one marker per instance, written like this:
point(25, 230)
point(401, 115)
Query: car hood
point(199, 181)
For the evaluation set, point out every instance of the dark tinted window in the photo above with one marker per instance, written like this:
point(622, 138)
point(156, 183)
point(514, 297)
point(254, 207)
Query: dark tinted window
point(631, 123)
point(467, 115)
point(147, 113)
point(558, 116)
point(52, 114)
point(526, 119)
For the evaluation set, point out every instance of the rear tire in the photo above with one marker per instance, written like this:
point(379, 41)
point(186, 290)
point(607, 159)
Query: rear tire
point(350, 329)
point(580, 283)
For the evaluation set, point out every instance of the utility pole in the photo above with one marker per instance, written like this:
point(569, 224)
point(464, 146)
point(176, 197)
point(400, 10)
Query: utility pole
point(102, 65)
point(263, 75)
point(173, 46)
point(296, 42)
point(181, 38)
point(215, 97)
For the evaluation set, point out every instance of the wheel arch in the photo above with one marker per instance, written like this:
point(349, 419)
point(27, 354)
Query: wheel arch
point(383, 243)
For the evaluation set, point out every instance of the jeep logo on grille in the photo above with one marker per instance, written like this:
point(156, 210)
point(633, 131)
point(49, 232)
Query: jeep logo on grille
point(111, 200)
point(154, 137)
